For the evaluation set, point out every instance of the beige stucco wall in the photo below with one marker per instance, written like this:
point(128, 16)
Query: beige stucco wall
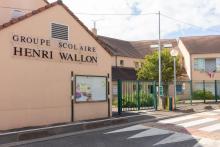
point(37, 92)
point(197, 75)
point(22, 5)
point(186, 58)
point(128, 62)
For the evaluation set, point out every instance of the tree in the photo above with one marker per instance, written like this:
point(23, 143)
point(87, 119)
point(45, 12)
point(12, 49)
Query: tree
point(150, 68)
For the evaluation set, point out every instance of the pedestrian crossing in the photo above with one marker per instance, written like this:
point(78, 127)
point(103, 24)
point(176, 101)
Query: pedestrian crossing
point(211, 128)
point(204, 128)
point(208, 121)
point(197, 122)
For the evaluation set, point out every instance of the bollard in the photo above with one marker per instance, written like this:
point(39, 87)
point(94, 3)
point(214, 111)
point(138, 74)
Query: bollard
point(171, 103)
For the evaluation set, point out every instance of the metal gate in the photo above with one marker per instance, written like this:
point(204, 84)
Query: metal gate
point(136, 95)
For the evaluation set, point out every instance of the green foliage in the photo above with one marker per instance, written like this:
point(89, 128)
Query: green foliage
point(177, 99)
point(146, 100)
point(200, 95)
point(115, 102)
point(150, 71)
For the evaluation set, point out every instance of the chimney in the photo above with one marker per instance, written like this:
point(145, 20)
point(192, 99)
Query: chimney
point(94, 31)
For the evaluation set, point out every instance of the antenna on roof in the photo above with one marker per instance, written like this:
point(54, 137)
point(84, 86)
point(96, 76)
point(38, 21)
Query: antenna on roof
point(94, 29)
point(94, 24)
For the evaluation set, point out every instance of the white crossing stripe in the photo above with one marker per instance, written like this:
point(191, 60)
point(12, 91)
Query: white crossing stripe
point(218, 110)
point(178, 119)
point(208, 113)
point(132, 128)
point(205, 142)
point(211, 128)
point(151, 132)
point(176, 137)
point(197, 122)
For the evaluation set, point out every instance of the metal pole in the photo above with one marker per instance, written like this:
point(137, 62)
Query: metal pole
point(174, 64)
point(119, 97)
point(216, 92)
point(204, 90)
point(159, 56)
point(191, 91)
point(138, 94)
point(72, 96)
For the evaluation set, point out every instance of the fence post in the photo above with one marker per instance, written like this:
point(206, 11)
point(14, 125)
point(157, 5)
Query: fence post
point(119, 97)
point(138, 94)
point(216, 90)
point(155, 95)
point(191, 91)
point(204, 90)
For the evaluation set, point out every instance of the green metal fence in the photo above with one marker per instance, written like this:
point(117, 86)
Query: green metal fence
point(206, 90)
point(136, 95)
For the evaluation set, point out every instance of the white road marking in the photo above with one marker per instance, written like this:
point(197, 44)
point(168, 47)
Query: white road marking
point(208, 113)
point(151, 132)
point(178, 119)
point(211, 128)
point(197, 122)
point(218, 110)
point(205, 142)
point(132, 128)
point(177, 137)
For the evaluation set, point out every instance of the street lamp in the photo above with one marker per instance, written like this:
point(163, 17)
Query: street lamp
point(174, 54)
point(160, 86)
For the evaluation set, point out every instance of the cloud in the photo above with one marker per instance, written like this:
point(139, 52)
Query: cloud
point(203, 13)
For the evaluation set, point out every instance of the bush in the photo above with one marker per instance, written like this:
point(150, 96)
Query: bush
point(200, 95)
point(146, 100)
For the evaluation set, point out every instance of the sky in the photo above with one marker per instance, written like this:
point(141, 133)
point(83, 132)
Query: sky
point(138, 19)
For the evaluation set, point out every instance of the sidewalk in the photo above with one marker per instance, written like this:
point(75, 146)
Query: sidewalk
point(131, 117)
point(197, 106)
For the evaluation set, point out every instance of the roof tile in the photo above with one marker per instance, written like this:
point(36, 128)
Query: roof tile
point(133, 49)
point(202, 44)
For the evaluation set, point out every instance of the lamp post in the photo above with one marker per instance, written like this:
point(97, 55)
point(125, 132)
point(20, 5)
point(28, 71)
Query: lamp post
point(160, 86)
point(174, 53)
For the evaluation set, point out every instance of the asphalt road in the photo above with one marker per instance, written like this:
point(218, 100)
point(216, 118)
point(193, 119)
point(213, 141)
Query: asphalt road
point(193, 130)
point(100, 139)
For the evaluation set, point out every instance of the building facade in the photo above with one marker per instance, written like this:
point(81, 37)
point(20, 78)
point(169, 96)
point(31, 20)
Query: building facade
point(53, 69)
point(202, 61)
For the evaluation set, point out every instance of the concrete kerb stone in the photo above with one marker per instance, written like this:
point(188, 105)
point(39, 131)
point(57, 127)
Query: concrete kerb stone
point(49, 132)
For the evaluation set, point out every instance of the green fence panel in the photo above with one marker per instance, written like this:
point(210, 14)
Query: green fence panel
point(119, 97)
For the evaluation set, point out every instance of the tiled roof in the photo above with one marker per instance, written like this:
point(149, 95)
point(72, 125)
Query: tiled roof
point(144, 47)
point(132, 49)
point(120, 47)
point(202, 44)
point(50, 5)
point(123, 73)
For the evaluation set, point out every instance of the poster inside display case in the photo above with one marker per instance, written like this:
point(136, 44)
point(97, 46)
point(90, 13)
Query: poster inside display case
point(90, 88)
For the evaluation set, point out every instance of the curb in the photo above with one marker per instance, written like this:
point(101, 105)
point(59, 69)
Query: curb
point(22, 136)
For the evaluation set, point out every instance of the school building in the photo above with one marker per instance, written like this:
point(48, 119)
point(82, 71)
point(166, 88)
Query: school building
point(53, 69)
point(202, 61)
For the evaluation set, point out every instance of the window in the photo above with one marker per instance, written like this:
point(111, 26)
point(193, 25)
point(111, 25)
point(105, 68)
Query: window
point(210, 65)
point(218, 64)
point(199, 64)
point(121, 62)
point(179, 89)
point(207, 65)
point(59, 31)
